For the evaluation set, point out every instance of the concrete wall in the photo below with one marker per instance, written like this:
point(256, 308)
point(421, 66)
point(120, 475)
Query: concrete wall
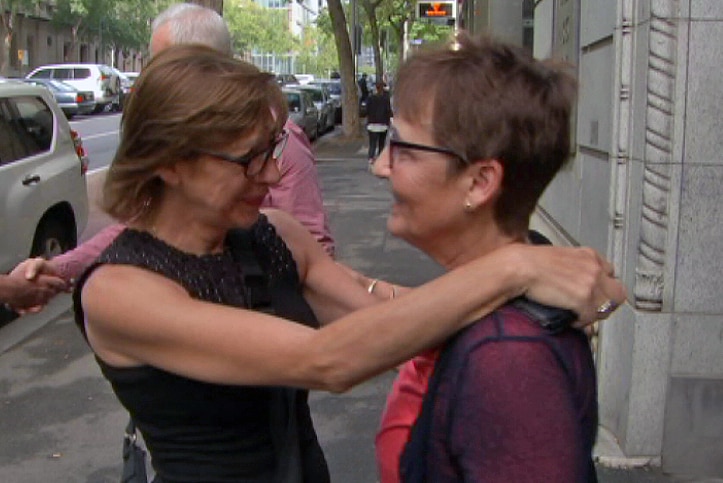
point(501, 18)
point(645, 187)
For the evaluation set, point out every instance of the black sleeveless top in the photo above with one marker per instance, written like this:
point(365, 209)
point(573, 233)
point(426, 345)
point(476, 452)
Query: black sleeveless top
point(202, 432)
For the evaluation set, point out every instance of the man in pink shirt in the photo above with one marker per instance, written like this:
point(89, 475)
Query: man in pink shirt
point(298, 191)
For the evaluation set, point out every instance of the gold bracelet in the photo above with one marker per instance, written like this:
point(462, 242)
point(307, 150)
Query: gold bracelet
point(372, 285)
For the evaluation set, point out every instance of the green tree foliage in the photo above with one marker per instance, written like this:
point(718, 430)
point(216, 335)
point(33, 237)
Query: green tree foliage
point(317, 51)
point(256, 28)
point(128, 23)
point(371, 7)
point(392, 16)
point(118, 24)
point(84, 17)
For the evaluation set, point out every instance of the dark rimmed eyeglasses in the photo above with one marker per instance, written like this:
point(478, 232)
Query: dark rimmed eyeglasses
point(254, 161)
point(394, 144)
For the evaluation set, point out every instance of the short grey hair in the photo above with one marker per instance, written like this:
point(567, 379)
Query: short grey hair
point(193, 24)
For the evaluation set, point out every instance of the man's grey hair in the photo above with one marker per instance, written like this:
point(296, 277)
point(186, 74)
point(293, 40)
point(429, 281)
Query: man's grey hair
point(193, 24)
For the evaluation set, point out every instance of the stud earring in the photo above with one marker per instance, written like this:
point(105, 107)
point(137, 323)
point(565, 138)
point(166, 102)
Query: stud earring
point(467, 206)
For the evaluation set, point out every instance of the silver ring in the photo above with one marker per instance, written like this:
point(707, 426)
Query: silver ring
point(607, 307)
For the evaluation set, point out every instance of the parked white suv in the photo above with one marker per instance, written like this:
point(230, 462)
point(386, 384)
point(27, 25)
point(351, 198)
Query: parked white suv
point(43, 193)
point(98, 78)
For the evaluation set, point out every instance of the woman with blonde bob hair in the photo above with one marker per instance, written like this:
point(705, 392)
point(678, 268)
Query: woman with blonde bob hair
point(203, 313)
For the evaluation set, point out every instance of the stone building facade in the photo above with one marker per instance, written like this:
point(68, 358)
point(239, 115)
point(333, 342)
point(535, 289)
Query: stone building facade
point(645, 187)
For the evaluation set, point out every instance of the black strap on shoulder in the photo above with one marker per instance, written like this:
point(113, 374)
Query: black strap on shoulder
point(78, 314)
point(256, 281)
point(552, 319)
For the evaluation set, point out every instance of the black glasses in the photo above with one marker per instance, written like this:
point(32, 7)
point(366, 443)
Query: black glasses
point(394, 144)
point(254, 161)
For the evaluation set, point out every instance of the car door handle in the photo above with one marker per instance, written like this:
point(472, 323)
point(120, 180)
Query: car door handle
point(31, 180)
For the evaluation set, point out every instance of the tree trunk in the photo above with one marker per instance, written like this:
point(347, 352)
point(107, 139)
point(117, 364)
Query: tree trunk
point(350, 122)
point(7, 37)
point(74, 31)
point(5, 54)
point(370, 9)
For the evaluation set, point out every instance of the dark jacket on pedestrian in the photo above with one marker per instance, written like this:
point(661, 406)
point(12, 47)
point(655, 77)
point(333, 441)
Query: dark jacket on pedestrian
point(379, 108)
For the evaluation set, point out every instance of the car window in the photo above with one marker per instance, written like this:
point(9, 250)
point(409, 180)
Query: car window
point(307, 100)
point(41, 74)
point(11, 143)
point(316, 95)
point(294, 100)
point(335, 88)
point(63, 73)
point(81, 73)
point(61, 86)
point(31, 121)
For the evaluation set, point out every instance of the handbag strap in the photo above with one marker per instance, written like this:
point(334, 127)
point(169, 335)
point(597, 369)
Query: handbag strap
point(256, 280)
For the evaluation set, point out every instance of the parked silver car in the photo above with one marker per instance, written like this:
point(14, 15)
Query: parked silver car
point(43, 194)
point(125, 89)
point(334, 88)
point(324, 106)
point(70, 100)
point(303, 111)
point(98, 78)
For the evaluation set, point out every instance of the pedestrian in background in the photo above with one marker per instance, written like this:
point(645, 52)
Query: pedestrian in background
point(363, 88)
point(379, 115)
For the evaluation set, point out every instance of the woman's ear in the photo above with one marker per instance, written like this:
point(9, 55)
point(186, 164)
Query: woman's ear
point(485, 183)
point(168, 174)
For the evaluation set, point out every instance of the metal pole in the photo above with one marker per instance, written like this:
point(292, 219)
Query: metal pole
point(354, 46)
point(100, 35)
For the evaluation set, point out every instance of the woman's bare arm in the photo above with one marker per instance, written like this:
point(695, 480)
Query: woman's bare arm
point(137, 317)
point(578, 279)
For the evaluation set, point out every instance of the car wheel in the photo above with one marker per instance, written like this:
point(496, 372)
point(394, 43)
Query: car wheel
point(52, 238)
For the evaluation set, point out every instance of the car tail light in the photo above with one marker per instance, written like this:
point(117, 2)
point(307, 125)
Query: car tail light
point(79, 150)
point(79, 98)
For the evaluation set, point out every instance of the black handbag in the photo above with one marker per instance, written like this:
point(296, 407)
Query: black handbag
point(134, 457)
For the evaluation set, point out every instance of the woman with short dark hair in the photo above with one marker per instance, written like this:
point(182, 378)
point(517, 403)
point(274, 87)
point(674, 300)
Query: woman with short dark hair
point(480, 129)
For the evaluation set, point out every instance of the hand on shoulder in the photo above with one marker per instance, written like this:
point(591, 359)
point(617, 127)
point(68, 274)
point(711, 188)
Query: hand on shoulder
point(579, 279)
